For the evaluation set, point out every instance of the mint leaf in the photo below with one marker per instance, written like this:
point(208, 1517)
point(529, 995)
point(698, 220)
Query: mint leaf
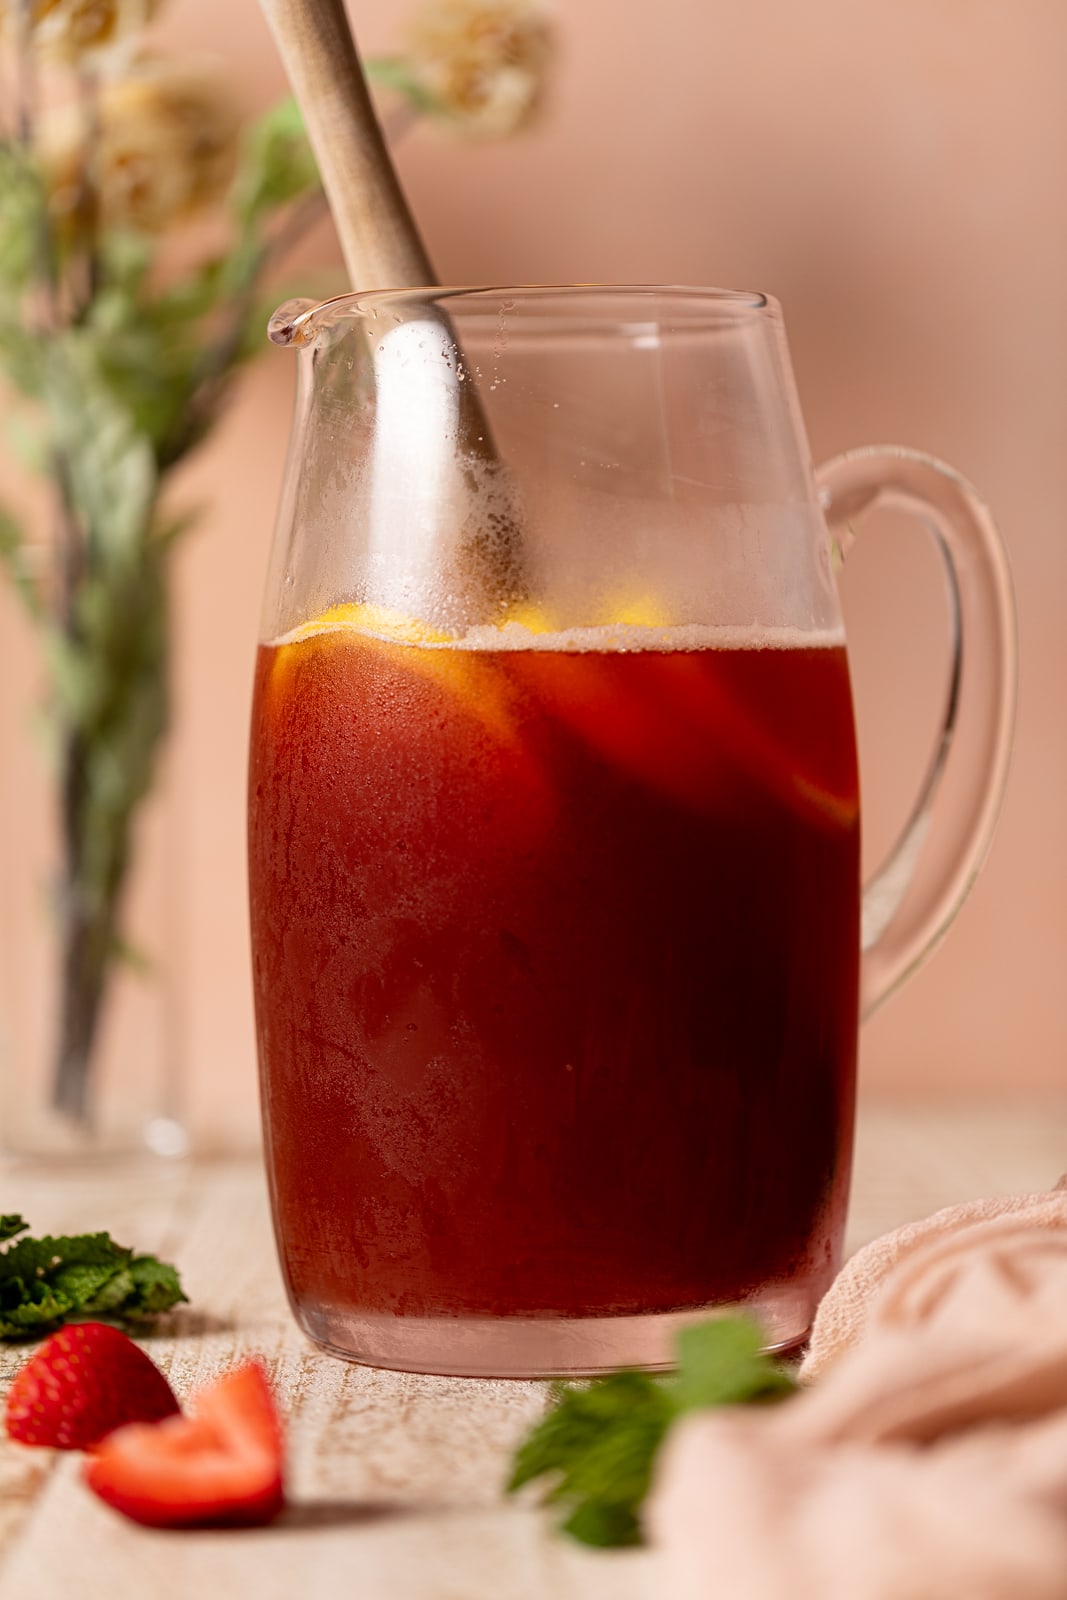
point(604, 1525)
point(54, 1279)
point(597, 1445)
point(722, 1364)
point(156, 1287)
point(81, 1282)
point(109, 1296)
point(36, 1312)
point(591, 1431)
point(30, 1259)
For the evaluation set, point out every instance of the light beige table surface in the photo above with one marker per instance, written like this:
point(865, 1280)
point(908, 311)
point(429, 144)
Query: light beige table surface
point(395, 1479)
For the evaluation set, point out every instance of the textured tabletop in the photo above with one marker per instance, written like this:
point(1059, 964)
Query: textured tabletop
point(395, 1479)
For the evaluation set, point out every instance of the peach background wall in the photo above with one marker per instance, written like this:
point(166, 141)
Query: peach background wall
point(894, 171)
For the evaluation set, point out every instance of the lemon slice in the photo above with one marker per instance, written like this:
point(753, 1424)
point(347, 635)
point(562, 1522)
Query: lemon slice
point(472, 678)
point(621, 611)
point(637, 611)
point(382, 621)
point(396, 627)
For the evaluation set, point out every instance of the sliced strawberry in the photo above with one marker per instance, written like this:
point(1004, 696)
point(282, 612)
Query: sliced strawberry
point(221, 1466)
point(83, 1383)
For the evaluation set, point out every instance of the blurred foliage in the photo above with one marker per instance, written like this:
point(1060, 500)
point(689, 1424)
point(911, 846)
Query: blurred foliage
point(122, 368)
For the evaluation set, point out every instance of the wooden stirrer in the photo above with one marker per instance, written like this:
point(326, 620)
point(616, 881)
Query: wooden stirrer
point(448, 536)
point(379, 239)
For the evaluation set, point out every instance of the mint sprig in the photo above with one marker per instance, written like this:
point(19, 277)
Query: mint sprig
point(55, 1279)
point(598, 1443)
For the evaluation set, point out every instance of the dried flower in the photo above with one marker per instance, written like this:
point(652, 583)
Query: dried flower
point(484, 62)
point(166, 147)
point(73, 31)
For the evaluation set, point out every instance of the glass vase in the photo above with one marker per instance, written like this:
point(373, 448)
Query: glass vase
point(90, 1051)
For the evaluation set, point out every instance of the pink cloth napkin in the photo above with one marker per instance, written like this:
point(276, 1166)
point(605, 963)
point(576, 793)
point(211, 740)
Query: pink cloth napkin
point(928, 1461)
point(842, 1315)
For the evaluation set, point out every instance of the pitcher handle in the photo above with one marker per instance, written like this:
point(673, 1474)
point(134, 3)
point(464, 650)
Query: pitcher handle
point(910, 902)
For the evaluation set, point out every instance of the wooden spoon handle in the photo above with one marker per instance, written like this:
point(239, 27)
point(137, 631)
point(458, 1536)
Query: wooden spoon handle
point(380, 241)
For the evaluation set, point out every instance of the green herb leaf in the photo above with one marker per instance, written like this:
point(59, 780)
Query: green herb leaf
point(598, 1443)
point(394, 72)
point(80, 1282)
point(156, 1287)
point(28, 439)
point(605, 1526)
point(722, 1364)
point(595, 1436)
point(277, 164)
point(47, 1281)
point(108, 458)
point(13, 559)
point(21, 218)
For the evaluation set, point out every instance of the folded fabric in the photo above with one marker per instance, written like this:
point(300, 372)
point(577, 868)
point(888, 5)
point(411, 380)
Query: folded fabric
point(844, 1308)
point(752, 1510)
point(928, 1462)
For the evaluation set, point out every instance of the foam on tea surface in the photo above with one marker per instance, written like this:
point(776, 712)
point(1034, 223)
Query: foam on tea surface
point(393, 627)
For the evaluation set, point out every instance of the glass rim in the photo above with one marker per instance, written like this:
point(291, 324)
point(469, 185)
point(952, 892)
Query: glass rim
point(297, 322)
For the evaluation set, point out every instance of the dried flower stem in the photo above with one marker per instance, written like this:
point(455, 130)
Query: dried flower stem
point(81, 974)
point(26, 74)
point(86, 206)
point(219, 359)
point(85, 936)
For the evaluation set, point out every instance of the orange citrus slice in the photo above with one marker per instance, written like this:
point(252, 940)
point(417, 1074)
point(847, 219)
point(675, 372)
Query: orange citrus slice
point(474, 685)
point(382, 621)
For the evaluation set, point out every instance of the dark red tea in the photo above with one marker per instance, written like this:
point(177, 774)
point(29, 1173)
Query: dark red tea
point(556, 964)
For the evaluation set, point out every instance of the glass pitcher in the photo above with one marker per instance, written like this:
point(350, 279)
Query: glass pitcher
point(558, 936)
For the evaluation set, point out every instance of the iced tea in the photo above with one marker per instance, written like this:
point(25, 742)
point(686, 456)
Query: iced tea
point(556, 950)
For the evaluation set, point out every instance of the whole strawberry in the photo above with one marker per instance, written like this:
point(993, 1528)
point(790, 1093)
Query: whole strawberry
point(83, 1383)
